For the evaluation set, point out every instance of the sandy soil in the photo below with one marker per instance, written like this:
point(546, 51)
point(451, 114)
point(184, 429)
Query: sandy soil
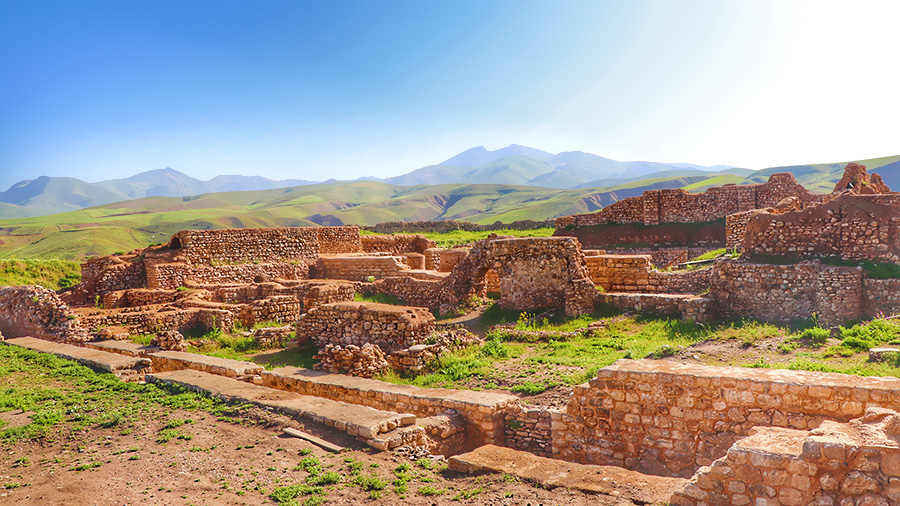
point(227, 464)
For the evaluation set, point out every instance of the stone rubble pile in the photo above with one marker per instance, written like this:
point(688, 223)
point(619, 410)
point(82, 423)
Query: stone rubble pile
point(366, 361)
point(169, 340)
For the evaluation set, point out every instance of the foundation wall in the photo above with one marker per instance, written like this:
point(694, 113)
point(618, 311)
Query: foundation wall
point(173, 275)
point(396, 244)
point(389, 327)
point(359, 268)
point(669, 418)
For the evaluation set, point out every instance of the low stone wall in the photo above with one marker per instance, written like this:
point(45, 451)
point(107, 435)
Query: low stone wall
point(837, 464)
point(687, 307)
point(735, 227)
point(390, 327)
point(37, 312)
point(139, 297)
point(396, 244)
point(881, 297)
point(278, 308)
point(152, 321)
point(787, 292)
point(395, 227)
point(173, 275)
point(669, 418)
point(359, 268)
point(634, 273)
point(529, 429)
point(483, 412)
point(411, 291)
point(432, 258)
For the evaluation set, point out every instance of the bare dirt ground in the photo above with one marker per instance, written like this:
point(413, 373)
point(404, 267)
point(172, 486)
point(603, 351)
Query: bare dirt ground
point(223, 463)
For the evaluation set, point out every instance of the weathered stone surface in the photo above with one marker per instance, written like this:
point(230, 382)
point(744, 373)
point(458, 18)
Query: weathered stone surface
point(388, 326)
point(366, 361)
point(38, 312)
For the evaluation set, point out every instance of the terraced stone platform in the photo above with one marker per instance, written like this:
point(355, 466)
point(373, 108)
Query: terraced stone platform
point(125, 367)
point(178, 360)
point(609, 480)
point(483, 411)
point(123, 347)
point(376, 427)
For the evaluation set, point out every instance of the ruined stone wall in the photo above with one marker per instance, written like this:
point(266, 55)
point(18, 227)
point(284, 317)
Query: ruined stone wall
point(787, 292)
point(396, 244)
point(432, 258)
point(857, 227)
point(390, 327)
point(443, 226)
point(311, 292)
point(669, 418)
point(634, 273)
point(661, 256)
point(278, 308)
point(359, 268)
point(111, 273)
point(242, 245)
point(153, 322)
point(171, 276)
point(138, 297)
point(881, 297)
point(529, 429)
point(735, 227)
point(855, 463)
point(37, 312)
point(451, 257)
point(679, 206)
point(687, 307)
point(535, 273)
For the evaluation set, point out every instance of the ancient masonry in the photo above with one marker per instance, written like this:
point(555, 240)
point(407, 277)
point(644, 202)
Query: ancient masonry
point(741, 436)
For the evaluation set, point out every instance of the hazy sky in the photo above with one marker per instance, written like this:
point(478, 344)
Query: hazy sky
point(321, 89)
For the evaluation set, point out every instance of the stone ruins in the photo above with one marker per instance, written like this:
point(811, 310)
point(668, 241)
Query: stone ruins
point(734, 436)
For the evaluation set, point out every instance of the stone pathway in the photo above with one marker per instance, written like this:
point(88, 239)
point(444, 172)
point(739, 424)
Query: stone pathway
point(368, 423)
point(608, 480)
point(123, 366)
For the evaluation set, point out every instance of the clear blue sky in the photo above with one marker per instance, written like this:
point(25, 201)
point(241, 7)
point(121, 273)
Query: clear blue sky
point(343, 89)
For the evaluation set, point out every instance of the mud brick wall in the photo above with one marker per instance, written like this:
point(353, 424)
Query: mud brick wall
point(858, 227)
point(881, 297)
point(687, 307)
point(396, 244)
point(359, 268)
point(390, 327)
point(171, 276)
point(837, 464)
point(483, 412)
point(414, 260)
point(787, 292)
point(451, 257)
point(278, 308)
point(668, 418)
point(679, 206)
point(529, 429)
point(37, 312)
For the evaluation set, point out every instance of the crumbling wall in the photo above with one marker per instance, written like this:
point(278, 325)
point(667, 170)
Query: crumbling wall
point(837, 464)
point(634, 273)
point(173, 275)
point(788, 292)
point(735, 227)
point(244, 245)
point(390, 327)
point(678, 206)
point(396, 244)
point(37, 312)
point(857, 227)
point(668, 418)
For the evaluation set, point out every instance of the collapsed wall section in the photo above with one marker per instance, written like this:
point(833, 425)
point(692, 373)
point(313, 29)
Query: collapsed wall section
point(856, 227)
point(37, 312)
point(388, 326)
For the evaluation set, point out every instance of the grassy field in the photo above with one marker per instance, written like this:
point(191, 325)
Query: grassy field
point(52, 274)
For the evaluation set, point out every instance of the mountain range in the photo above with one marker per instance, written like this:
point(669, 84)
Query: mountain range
point(514, 165)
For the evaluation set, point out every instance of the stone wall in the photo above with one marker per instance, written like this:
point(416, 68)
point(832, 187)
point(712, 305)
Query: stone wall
point(390, 327)
point(396, 244)
point(788, 292)
point(152, 321)
point(529, 429)
point(679, 206)
point(396, 227)
point(243, 245)
point(881, 297)
point(451, 257)
point(735, 227)
point(173, 275)
point(686, 307)
point(634, 273)
point(37, 312)
point(359, 268)
point(669, 418)
point(855, 463)
point(637, 236)
point(857, 227)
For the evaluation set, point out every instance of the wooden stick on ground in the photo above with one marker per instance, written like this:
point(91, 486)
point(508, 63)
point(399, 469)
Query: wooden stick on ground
point(313, 439)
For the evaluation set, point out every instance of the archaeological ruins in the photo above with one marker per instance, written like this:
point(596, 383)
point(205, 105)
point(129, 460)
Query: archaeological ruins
point(737, 436)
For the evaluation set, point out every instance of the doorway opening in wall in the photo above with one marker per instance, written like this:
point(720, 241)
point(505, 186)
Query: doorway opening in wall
point(492, 284)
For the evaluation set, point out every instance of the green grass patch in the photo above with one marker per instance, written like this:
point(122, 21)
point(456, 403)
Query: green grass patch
point(380, 298)
point(52, 274)
point(459, 237)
